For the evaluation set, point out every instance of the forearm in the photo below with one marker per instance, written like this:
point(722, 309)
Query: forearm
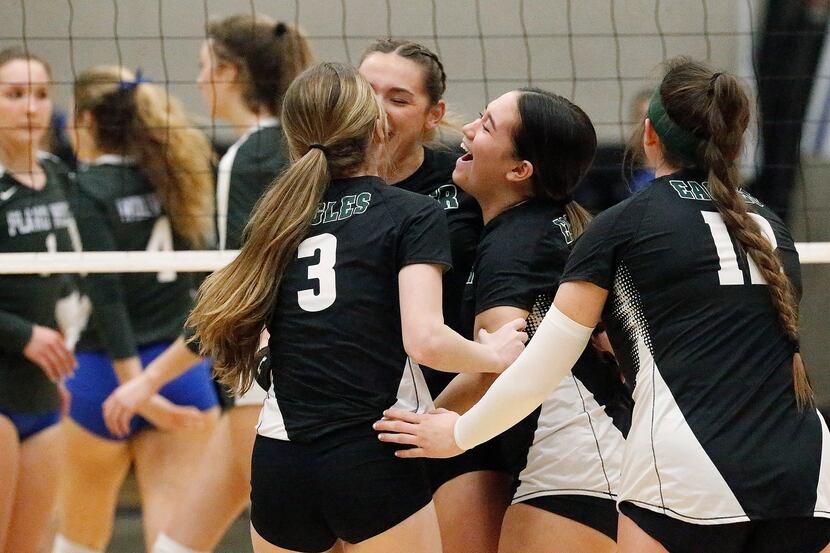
point(126, 368)
point(443, 349)
point(172, 363)
point(555, 348)
point(464, 391)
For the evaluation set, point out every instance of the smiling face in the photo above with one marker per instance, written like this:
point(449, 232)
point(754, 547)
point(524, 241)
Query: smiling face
point(399, 84)
point(490, 159)
point(25, 104)
point(216, 80)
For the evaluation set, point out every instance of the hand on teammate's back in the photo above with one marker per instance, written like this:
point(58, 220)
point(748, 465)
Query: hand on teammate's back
point(507, 342)
point(47, 349)
point(428, 435)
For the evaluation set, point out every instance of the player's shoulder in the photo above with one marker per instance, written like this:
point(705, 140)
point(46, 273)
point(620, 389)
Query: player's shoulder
point(534, 229)
point(264, 144)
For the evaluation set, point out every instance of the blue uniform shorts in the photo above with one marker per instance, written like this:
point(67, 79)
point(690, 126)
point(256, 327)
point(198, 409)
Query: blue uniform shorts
point(29, 424)
point(95, 380)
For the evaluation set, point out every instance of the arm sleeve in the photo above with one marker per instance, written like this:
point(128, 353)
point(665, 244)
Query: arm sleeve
point(15, 332)
point(104, 290)
point(550, 356)
point(424, 236)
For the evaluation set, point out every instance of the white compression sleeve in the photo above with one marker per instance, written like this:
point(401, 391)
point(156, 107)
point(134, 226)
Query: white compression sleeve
point(550, 356)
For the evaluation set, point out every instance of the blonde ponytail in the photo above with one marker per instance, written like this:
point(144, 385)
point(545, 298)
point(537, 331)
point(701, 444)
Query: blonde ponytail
point(330, 115)
point(137, 119)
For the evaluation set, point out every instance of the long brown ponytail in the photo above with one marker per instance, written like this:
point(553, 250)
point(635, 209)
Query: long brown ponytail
point(329, 116)
point(715, 108)
point(138, 119)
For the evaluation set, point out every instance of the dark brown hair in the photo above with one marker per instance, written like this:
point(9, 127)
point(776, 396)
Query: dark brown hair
point(267, 54)
point(714, 107)
point(559, 140)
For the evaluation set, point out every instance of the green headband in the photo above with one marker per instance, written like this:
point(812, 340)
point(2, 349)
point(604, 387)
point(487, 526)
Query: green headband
point(676, 138)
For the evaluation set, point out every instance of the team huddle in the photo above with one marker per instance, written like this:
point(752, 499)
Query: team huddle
point(419, 348)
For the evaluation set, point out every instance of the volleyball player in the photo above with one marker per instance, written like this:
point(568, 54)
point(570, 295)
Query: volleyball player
point(410, 81)
point(146, 185)
point(698, 283)
point(525, 155)
point(347, 272)
point(246, 65)
point(34, 356)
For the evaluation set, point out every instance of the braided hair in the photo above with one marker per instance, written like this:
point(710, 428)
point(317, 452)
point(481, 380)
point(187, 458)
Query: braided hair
point(714, 107)
point(435, 79)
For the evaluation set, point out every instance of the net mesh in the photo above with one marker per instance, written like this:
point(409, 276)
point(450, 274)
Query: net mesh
point(598, 53)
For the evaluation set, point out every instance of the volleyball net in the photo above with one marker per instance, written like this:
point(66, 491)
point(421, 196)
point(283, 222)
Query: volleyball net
point(602, 54)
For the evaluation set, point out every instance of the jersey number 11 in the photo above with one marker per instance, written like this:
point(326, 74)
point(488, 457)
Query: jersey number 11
point(730, 272)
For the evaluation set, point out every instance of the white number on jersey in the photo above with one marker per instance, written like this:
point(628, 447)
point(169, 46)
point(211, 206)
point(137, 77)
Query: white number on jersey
point(730, 273)
point(323, 272)
point(161, 240)
point(51, 247)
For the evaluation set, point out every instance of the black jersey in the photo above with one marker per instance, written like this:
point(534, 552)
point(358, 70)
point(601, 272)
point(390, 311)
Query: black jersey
point(35, 221)
point(337, 356)
point(434, 178)
point(571, 438)
point(245, 171)
point(716, 436)
point(117, 210)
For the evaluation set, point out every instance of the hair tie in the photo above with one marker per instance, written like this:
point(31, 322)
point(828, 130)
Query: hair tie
point(712, 80)
point(319, 147)
point(127, 86)
point(677, 139)
point(280, 29)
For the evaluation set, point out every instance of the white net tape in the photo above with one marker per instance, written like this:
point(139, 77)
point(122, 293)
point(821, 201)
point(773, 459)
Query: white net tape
point(201, 261)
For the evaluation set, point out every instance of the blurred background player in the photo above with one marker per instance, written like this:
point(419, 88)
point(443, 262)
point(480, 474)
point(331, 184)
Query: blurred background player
point(33, 354)
point(246, 65)
point(145, 185)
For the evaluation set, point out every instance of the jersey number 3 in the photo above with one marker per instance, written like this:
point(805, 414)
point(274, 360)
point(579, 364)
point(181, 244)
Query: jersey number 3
point(323, 272)
point(730, 272)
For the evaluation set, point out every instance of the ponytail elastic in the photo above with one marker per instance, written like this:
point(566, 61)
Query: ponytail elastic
point(677, 139)
point(127, 86)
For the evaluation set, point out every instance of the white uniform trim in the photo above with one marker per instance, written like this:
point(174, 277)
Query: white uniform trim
point(271, 423)
point(413, 394)
point(576, 448)
point(223, 177)
point(665, 469)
